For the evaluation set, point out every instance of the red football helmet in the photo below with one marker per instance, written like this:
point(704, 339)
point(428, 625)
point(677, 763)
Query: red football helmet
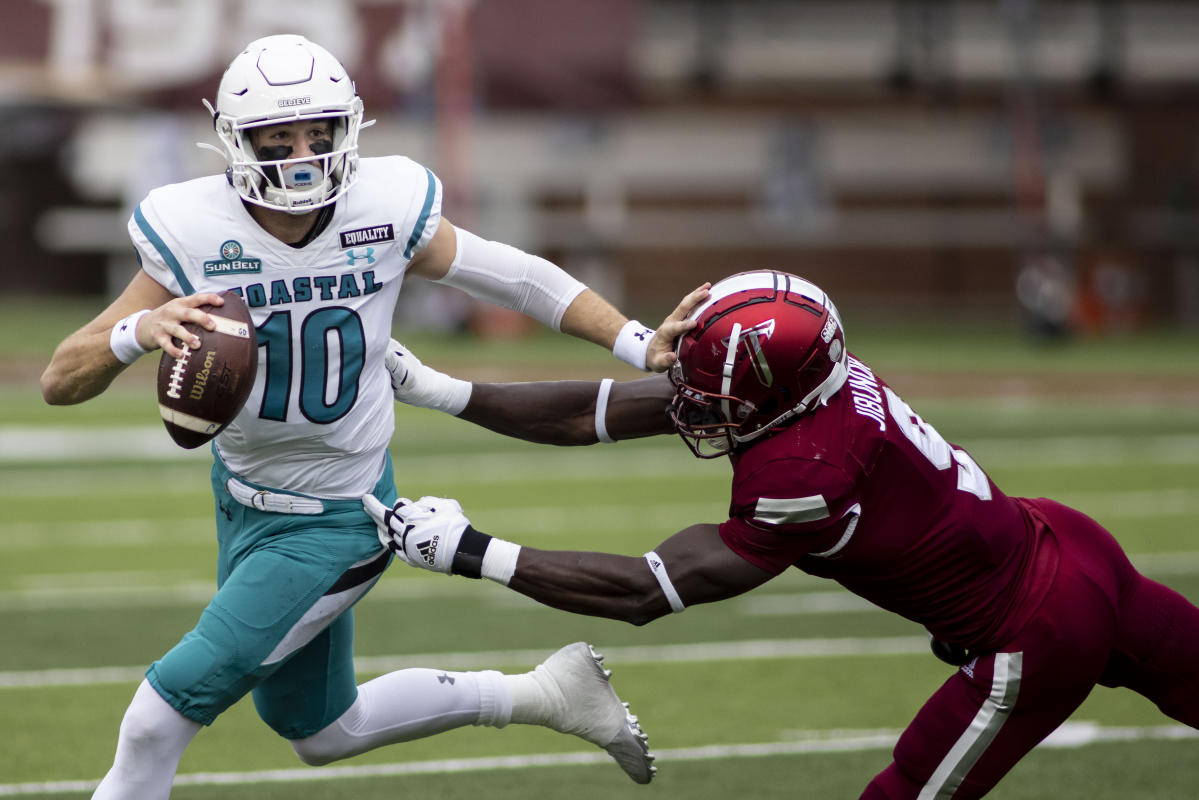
point(766, 348)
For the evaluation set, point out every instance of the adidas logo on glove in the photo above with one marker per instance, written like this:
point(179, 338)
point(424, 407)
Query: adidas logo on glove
point(428, 550)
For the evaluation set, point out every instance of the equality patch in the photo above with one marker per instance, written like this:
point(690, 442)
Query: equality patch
point(371, 235)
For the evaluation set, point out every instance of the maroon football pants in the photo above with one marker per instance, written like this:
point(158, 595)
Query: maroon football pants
point(1102, 622)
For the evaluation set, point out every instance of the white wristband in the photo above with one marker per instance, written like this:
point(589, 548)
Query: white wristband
point(659, 569)
point(601, 412)
point(123, 339)
point(499, 562)
point(444, 392)
point(632, 344)
point(422, 386)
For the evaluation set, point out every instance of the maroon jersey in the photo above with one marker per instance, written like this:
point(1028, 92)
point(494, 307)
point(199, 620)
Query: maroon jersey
point(867, 493)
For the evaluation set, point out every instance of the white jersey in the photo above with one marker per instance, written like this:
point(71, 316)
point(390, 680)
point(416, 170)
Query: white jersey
point(321, 415)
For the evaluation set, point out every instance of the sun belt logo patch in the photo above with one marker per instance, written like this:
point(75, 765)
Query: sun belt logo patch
point(232, 261)
point(752, 339)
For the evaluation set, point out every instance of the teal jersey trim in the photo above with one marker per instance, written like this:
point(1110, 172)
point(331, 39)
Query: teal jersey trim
point(163, 251)
point(423, 219)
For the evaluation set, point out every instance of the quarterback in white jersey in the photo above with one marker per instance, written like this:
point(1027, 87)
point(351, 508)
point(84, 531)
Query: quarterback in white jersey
point(323, 313)
point(318, 243)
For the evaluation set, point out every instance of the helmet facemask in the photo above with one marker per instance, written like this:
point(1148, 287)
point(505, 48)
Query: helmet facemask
point(702, 418)
point(283, 183)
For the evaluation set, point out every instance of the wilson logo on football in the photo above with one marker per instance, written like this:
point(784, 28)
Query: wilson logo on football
point(197, 390)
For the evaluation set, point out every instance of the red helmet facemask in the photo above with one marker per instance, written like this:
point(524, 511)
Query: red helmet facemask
point(767, 347)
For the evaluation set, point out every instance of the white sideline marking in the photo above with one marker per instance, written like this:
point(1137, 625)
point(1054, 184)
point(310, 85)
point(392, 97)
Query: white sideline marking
point(658, 654)
point(115, 590)
point(1071, 734)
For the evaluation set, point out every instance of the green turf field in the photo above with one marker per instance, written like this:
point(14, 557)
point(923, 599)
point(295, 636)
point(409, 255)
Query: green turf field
point(795, 690)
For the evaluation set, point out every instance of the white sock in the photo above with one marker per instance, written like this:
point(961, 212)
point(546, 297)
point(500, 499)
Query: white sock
point(409, 704)
point(531, 704)
point(152, 740)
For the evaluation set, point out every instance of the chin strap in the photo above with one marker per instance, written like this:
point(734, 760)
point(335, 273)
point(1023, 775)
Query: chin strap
point(830, 385)
point(297, 201)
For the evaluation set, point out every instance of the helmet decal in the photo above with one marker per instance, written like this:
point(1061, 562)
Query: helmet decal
point(753, 338)
point(830, 328)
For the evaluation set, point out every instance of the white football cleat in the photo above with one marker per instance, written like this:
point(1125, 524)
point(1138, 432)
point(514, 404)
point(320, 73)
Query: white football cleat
point(586, 705)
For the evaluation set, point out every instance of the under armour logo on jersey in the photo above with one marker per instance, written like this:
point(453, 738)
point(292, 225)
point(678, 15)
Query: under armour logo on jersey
point(445, 678)
point(428, 550)
point(753, 338)
point(352, 256)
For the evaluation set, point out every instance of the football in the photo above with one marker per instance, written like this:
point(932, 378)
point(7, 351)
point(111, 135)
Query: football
point(201, 392)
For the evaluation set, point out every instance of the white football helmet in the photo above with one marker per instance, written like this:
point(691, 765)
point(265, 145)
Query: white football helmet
point(279, 79)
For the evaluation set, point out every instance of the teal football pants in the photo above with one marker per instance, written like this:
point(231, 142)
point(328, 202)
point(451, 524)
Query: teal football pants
point(281, 623)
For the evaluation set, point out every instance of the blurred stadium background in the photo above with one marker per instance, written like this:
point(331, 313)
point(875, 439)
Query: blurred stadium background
point(913, 154)
point(1001, 195)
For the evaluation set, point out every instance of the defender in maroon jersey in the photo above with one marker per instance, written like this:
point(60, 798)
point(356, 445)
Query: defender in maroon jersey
point(835, 474)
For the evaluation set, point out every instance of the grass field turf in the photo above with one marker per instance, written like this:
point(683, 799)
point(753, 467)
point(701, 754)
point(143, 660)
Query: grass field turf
point(108, 557)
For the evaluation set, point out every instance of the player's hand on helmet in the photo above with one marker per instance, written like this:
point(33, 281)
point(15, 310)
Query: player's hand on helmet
point(661, 356)
point(424, 533)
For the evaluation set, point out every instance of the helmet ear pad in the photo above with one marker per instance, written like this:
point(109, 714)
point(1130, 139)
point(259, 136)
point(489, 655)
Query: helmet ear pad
point(767, 347)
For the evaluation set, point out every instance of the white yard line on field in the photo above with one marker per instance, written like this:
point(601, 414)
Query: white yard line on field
point(49, 445)
point(658, 654)
point(540, 519)
point(117, 590)
point(1071, 734)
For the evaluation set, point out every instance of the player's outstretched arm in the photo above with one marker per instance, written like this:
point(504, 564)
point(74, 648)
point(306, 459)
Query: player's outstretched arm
point(145, 317)
point(573, 412)
point(507, 276)
point(591, 317)
point(693, 566)
point(547, 412)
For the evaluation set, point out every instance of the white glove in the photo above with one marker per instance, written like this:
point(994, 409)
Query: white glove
point(416, 384)
point(425, 533)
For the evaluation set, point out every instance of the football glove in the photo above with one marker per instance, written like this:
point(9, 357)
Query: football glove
point(431, 533)
point(416, 384)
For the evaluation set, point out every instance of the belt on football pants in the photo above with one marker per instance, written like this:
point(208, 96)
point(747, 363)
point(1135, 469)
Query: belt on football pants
point(273, 502)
